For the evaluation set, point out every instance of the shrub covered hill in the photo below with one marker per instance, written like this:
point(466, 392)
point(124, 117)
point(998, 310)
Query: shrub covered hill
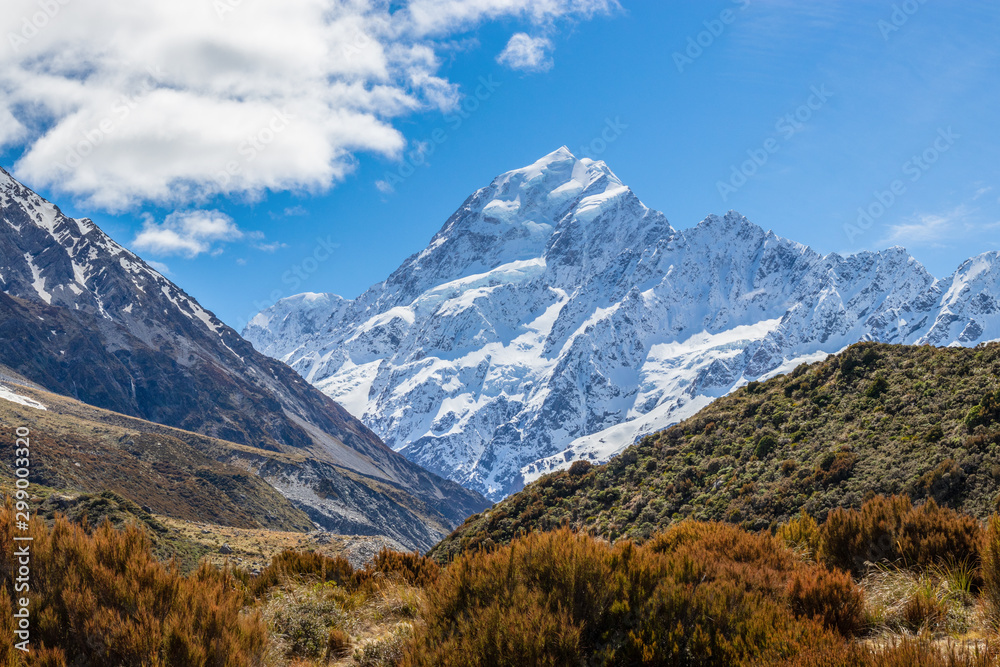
point(874, 419)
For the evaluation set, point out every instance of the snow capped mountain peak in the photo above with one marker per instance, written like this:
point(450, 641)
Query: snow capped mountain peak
point(70, 262)
point(555, 317)
point(559, 168)
point(526, 205)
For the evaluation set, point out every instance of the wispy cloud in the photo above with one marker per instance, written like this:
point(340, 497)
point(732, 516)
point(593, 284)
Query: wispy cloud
point(159, 266)
point(937, 229)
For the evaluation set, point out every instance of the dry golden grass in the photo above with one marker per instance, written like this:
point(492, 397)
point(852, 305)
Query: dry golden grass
point(253, 548)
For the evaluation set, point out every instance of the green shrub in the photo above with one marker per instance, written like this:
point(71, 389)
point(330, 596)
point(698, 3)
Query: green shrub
point(985, 412)
point(765, 445)
point(878, 387)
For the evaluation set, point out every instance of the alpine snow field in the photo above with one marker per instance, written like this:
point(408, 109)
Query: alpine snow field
point(556, 318)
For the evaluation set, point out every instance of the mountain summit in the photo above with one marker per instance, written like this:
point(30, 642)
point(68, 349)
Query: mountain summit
point(555, 317)
point(87, 318)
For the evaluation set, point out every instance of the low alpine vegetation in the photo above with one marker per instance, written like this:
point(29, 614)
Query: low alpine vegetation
point(699, 593)
point(921, 422)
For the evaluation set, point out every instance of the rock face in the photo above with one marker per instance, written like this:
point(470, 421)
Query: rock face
point(554, 318)
point(85, 317)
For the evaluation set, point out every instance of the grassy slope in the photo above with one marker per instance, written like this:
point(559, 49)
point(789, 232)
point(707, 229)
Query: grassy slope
point(195, 477)
point(874, 419)
point(77, 448)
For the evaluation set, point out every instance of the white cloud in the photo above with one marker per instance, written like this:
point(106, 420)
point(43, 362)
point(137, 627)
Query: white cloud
point(527, 53)
point(188, 233)
point(120, 103)
point(442, 16)
point(270, 247)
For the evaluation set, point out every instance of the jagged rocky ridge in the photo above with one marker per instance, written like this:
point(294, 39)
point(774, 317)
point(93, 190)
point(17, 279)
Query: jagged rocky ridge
point(555, 317)
point(85, 317)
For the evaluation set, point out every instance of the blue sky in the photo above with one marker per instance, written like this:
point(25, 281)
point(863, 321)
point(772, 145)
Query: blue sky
point(795, 114)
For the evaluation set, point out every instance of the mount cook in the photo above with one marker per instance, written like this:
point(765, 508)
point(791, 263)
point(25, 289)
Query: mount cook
point(555, 317)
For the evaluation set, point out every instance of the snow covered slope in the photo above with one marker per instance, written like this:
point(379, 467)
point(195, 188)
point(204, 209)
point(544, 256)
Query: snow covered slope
point(555, 317)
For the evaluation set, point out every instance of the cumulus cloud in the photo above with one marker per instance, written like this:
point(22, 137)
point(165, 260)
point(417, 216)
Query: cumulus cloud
point(527, 53)
point(121, 103)
point(188, 233)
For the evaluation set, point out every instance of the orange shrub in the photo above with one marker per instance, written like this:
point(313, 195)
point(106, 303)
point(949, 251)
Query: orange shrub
point(905, 653)
point(103, 600)
point(930, 534)
point(411, 568)
point(991, 567)
point(828, 596)
point(705, 594)
point(892, 530)
point(301, 564)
